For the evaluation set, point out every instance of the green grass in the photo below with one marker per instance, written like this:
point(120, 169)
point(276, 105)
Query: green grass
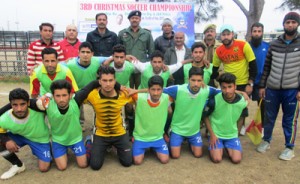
point(15, 79)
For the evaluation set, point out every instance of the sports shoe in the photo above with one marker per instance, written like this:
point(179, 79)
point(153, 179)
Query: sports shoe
point(12, 171)
point(263, 147)
point(287, 154)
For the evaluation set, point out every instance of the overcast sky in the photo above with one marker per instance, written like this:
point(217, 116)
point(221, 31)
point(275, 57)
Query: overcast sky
point(28, 14)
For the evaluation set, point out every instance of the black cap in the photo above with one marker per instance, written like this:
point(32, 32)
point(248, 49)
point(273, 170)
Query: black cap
point(134, 13)
point(292, 16)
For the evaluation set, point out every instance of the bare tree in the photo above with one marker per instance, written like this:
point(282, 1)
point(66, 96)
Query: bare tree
point(253, 14)
point(206, 10)
point(290, 4)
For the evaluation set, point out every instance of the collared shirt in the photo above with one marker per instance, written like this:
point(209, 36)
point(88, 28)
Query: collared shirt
point(180, 54)
point(34, 55)
point(69, 50)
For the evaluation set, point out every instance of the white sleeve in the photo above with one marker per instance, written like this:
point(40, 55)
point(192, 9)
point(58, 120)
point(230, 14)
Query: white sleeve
point(173, 68)
point(140, 66)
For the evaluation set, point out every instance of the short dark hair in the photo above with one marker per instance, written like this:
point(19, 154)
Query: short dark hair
point(156, 80)
point(46, 24)
point(197, 45)
point(61, 84)
point(98, 14)
point(119, 48)
point(227, 78)
point(49, 51)
point(86, 45)
point(195, 71)
point(257, 24)
point(17, 94)
point(157, 53)
point(105, 70)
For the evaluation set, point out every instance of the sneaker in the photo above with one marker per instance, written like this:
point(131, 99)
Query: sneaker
point(287, 154)
point(243, 130)
point(263, 147)
point(12, 171)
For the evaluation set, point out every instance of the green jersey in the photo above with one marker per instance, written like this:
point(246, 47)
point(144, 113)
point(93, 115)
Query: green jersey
point(206, 75)
point(83, 75)
point(65, 128)
point(33, 127)
point(46, 81)
point(148, 73)
point(150, 121)
point(123, 74)
point(188, 110)
point(225, 116)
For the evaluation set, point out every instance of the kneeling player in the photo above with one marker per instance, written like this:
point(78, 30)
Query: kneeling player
point(222, 114)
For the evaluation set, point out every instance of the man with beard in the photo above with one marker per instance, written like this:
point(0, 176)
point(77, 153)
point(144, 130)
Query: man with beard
point(101, 38)
point(211, 45)
point(237, 58)
point(22, 126)
point(224, 110)
point(107, 103)
point(137, 41)
point(260, 49)
point(279, 85)
point(165, 41)
point(198, 53)
point(50, 70)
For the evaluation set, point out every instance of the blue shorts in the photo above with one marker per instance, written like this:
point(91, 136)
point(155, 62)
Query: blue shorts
point(139, 147)
point(40, 150)
point(233, 144)
point(194, 140)
point(59, 150)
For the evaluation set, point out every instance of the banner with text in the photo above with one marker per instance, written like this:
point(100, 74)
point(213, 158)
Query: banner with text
point(153, 14)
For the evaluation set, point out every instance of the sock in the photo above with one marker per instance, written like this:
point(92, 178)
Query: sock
point(13, 159)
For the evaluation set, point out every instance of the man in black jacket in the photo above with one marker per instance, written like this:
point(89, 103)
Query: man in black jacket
point(102, 39)
point(279, 85)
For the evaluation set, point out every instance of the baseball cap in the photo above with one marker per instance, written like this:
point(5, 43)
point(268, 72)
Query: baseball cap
point(226, 27)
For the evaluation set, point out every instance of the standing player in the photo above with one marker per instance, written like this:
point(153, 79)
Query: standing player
point(260, 49)
point(84, 69)
point(155, 67)
point(224, 111)
point(198, 53)
point(49, 71)
point(237, 58)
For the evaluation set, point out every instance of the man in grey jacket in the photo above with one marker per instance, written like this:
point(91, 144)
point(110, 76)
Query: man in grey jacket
point(176, 54)
point(279, 85)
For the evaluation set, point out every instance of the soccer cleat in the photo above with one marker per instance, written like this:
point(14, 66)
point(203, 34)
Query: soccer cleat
point(287, 154)
point(12, 171)
point(263, 147)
